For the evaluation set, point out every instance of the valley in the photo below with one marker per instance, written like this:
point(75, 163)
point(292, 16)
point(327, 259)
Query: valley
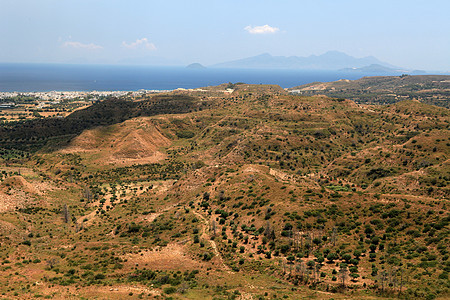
point(235, 191)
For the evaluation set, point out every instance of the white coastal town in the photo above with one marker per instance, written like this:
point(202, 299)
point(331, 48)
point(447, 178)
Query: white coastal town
point(71, 95)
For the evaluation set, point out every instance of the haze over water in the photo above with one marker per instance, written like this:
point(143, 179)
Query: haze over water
point(52, 77)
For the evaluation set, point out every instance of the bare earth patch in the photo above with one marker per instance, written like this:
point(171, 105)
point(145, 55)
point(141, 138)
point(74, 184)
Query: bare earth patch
point(16, 191)
point(134, 141)
point(171, 257)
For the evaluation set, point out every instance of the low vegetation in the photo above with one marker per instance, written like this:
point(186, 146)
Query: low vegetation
point(252, 194)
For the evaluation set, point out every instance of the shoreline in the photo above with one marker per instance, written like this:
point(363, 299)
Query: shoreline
point(70, 95)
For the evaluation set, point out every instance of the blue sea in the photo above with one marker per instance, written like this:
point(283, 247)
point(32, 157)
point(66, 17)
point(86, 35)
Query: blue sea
point(60, 77)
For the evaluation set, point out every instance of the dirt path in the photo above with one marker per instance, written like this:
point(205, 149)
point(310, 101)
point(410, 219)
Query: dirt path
point(153, 216)
point(87, 217)
point(211, 242)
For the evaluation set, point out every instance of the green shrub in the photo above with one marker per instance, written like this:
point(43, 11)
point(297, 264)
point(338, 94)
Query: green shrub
point(185, 134)
point(99, 276)
point(170, 290)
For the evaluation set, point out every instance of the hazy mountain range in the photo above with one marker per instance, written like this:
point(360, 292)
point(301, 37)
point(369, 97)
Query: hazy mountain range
point(331, 60)
point(379, 69)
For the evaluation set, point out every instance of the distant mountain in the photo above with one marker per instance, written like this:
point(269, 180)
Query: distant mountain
point(196, 66)
point(376, 68)
point(332, 60)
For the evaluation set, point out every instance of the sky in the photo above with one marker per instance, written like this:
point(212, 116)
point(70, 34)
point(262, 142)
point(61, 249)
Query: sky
point(412, 34)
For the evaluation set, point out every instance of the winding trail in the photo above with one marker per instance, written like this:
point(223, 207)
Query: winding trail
point(151, 217)
point(211, 242)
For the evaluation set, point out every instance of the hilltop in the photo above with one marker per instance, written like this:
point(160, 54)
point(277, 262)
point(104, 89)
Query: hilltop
point(231, 192)
point(430, 89)
point(195, 66)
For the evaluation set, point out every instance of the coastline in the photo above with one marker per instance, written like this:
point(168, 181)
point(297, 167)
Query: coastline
point(26, 78)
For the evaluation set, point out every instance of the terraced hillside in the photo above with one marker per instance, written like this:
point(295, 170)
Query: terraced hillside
point(251, 194)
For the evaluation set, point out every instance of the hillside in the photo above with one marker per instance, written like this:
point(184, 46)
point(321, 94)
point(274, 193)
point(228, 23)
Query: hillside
point(35, 133)
point(430, 89)
point(243, 192)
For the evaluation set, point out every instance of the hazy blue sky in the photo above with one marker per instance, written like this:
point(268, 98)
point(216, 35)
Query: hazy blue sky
point(408, 33)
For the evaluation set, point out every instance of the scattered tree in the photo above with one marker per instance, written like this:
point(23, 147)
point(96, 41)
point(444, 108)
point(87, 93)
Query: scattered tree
point(66, 213)
point(343, 273)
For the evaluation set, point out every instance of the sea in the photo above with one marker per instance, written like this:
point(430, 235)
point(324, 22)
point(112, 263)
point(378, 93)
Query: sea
point(64, 77)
